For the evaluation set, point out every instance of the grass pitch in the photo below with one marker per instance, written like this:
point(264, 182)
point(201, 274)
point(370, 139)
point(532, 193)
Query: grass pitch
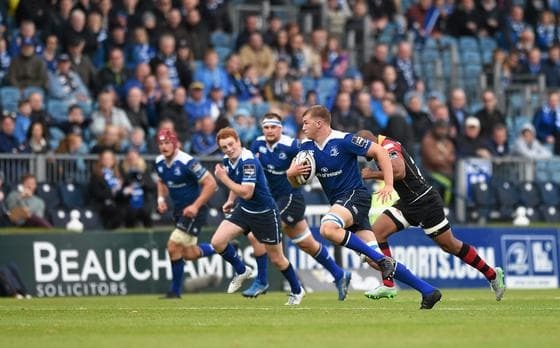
point(464, 318)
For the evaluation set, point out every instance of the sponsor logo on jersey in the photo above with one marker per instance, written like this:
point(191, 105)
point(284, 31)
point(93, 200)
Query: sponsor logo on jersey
point(334, 151)
point(249, 170)
point(359, 141)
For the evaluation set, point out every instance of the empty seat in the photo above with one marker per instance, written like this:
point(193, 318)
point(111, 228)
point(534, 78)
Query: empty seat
point(508, 198)
point(59, 217)
point(9, 97)
point(550, 213)
point(49, 194)
point(71, 195)
point(58, 109)
point(91, 220)
point(220, 39)
point(549, 192)
point(529, 194)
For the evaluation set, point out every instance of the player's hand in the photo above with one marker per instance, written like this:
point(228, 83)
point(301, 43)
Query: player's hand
point(367, 173)
point(220, 171)
point(228, 207)
point(190, 211)
point(385, 194)
point(162, 207)
point(298, 169)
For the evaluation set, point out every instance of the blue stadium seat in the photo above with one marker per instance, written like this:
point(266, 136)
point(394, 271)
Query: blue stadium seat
point(223, 53)
point(550, 213)
point(91, 219)
point(529, 194)
point(221, 39)
point(470, 57)
point(308, 83)
point(58, 109)
point(29, 90)
point(59, 217)
point(215, 217)
point(260, 109)
point(550, 193)
point(483, 197)
point(327, 86)
point(71, 195)
point(508, 198)
point(9, 97)
point(48, 193)
point(468, 43)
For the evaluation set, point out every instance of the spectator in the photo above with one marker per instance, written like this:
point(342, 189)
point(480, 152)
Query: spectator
point(250, 88)
point(280, 47)
point(138, 190)
point(393, 84)
point(489, 115)
point(82, 64)
point(174, 25)
point(334, 59)
point(211, 73)
point(137, 141)
point(490, 17)
point(304, 62)
point(226, 119)
point(233, 70)
point(343, 115)
point(532, 65)
point(114, 74)
point(37, 138)
point(216, 102)
point(246, 126)
point(274, 27)
point(546, 119)
point(499, 146)
point(197, 106)
point(141, 51)
point(166, 55)
point(105, 190)
point(471, 143)
point(364, 109)
point(111, 139)
point(416, 17)
point(27, 69)
point(249, 28)
point(277, 87)
point(198, 34)
point(528, 146)
point(338, 13)
point(50, 53)
point(378, 93)
point(8, 141)
point(421, 122)
point(108, 114)
point(135, 110)
point(404, 66)
point(76, 28)
point(175, 111)
point(76, 123)
point(438, 158)
point(258, 54)
point(512, 28)
point(216, 15)
point(38, 112)
point(23, 120)
point(547, 33)
point(465, 20)
point(5, 60)
point(295, 95)
point(185, 63)
point(551, 67)
point(358, 21)
point(373, 70)
point(98, 28)
point(204, 139)
point(398, 127)
point(458, 109)
point(24, 197)
point(27, 33)
point(66, 85)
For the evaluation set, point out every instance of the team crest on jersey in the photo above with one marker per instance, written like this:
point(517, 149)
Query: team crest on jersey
point(262, 149)
point(196, 167)
point(160, 169)
point(334, 151)
point(357, 140)
point(282, 155)
point(177, 171)
point(249, 170)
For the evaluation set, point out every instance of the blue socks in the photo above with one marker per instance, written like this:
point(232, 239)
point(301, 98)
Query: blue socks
point(178, 270)
point(353, 242)
point(327, 261)
point(403, 274)
point(292, 278)
point(262, 268)
point(206, 249)
point(230, 255)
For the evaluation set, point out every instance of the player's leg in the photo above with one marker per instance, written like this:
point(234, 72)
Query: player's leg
point(301, 235)
point(260, 284)
point(447, 241)
point(175, 246)
point(228, 230)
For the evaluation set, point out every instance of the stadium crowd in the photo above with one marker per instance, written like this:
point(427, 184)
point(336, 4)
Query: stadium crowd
point(102, 76)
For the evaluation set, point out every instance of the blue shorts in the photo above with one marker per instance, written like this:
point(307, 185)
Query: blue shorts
point(191, 226)
point(292, 208)
point(265, 226)
point(358, 202)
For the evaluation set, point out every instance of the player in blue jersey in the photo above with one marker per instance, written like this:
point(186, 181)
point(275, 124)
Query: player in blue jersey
point(251, 208)
point(190, 186)
point(347, 223)
point(275, 152)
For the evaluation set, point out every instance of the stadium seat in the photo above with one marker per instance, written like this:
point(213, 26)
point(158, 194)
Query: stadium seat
point(215, 217)
point(529, 194)
point(29, 90)
point(58, 109)
point(468, 43)
point(508, 198)
point(260, 109)
point(549, 192)
point(550, 213)
point(483, 197)
point(9, 97)
point(470, 57)
point(49, 194)
point(59, 217)
point(308, 83)
point(91, 220)
point(221, 39)
point(223, 53)
point(71, 195)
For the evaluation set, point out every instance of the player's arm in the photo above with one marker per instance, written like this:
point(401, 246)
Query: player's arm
point(208, 187)
point(384, 162)
point(162, 192)
point(244, 190)
point(398, 169)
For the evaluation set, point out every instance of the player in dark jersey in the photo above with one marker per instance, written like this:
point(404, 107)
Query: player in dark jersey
point(420, 205)
point(347, 224)
point(190, 186)
point(275, 152)
point(255, 211)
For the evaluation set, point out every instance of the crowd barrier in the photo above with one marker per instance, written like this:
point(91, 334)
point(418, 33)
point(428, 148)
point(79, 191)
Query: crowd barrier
point(120, 263)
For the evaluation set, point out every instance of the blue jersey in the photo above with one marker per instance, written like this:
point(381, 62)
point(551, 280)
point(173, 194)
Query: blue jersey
point(275, 160)
point(182, 178)
point(337, 163)
point(248, 170)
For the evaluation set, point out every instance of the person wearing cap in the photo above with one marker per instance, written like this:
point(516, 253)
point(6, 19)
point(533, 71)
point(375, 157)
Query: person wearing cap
point(189, 186)
point(27, 69)
point(472, 143)
point(197, 105)
point(211, 73)
point(65, 84)
point(527, 145)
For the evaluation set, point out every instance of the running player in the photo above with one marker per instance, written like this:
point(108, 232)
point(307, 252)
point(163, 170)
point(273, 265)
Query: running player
point(190, 186)
point(336, 158)
point(275, 152)
point(420, 205)
point(255, 212)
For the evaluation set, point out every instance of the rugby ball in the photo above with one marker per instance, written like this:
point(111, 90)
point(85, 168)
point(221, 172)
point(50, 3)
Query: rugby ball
point(305, 158)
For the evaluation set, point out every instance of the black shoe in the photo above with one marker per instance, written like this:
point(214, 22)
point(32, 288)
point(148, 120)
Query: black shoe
point(388, 266)
point(170, 296)
point(430, 300)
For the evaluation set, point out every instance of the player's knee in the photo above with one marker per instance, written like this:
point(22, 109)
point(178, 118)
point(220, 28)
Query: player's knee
point(218, 243)
point(330, 226)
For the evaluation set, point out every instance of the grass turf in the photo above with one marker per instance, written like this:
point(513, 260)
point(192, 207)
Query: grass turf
point(464, 318)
